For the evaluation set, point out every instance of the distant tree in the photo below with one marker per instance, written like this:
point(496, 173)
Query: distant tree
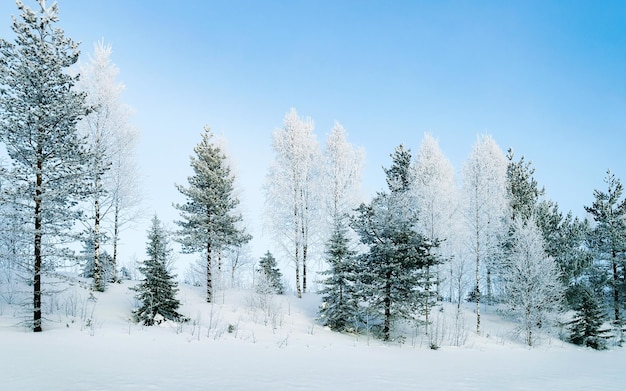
point(111, 140)
point(268, 270)
point(534, 292)
point(39, 110)
point(586, 327)
point(340, 307)
point(209, 218)
point(484, 200)
point(391, 271)
point(293, 202)
point(608, 238)
point(157, 291)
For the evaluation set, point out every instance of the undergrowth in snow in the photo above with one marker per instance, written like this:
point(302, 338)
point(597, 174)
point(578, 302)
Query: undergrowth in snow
point(247, 341)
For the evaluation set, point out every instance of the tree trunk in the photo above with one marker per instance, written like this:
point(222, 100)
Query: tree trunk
point(387, 326)
point(304, 255)
point(116, 232)
point(38, 257)
point(297, 252)
point(477, 293)
point(616, 290)
point(209, 282)
point(97, 269)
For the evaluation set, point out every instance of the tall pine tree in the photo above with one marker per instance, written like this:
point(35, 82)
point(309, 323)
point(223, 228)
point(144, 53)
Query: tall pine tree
point(209, 217)
point(608, 239)
point(157, 291)
point(391, 272)
point(39, 109)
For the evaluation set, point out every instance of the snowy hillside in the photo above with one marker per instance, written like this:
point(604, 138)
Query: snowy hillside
point(240, 343)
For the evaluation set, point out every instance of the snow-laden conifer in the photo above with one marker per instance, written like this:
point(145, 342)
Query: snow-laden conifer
point(39, 109)
point(607, 241)
point(209, 220)
point(339, 308)
point(157, 291)
point(270, 274)
point(390, 278)
point(587, 326)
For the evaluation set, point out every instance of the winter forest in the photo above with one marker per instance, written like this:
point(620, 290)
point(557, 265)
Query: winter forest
point(433, 260)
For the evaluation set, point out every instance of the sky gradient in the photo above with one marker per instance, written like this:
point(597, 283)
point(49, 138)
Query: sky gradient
point(547, 78)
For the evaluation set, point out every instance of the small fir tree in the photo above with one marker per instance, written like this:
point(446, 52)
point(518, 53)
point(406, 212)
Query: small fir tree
point(270, 273)
point(339, 305)
point(586, 327)
point(157, 291)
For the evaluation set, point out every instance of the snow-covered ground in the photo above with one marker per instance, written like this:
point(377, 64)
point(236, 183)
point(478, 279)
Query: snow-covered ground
point(234, 345)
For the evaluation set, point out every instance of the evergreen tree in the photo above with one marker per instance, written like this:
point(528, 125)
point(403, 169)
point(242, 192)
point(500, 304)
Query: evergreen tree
point(209, 219)
point(586, 327)
point(39, 110)
point(157, 291)
point(268, 269)
point(608, 239)
point(339, 306)
point(390, 273)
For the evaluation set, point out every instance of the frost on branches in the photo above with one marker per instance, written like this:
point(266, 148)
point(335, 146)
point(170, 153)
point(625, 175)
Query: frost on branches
point(534, 293)
point(39, 110)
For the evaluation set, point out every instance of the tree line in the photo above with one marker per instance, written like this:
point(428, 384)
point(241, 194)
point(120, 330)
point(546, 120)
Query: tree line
point(494, 240)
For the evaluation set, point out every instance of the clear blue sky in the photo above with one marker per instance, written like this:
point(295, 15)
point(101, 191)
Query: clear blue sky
point(547, 78)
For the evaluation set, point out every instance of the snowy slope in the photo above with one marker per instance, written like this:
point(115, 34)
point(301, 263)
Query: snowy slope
point(100, 349)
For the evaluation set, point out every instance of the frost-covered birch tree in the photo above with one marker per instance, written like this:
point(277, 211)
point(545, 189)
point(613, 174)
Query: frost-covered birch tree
point(111, 141)
point(292, 198)
point(209, 220)
point(434, 192)
point(39, 110)
point(534, 293)
point(343, 166)
point(484, 207)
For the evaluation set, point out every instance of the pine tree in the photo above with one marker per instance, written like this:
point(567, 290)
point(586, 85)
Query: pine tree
point(39, 109)
point(268, 269)
point(390, 273)
point(209, 219)
point(339, 306)
point(608, 239)
point(586, 327)
point(157, 291)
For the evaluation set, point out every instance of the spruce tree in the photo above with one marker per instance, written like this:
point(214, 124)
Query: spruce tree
point(39, 110)
point(270, 273)
point(157, 291)
point(209, 217)
point(586, 327)
point(339, 306)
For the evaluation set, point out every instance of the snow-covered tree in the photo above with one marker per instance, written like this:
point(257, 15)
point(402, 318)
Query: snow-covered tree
point(269, 272)
point(157, 291)
point(435, 195)
point(343, 165)
point(586, 328)
point(209, 218)
point(112, 141)
point(484, 208)
point(39, 110)
point(391, 271)
point(608, 239)
point(292, 198)
point(534, 292)
point(339, 308)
